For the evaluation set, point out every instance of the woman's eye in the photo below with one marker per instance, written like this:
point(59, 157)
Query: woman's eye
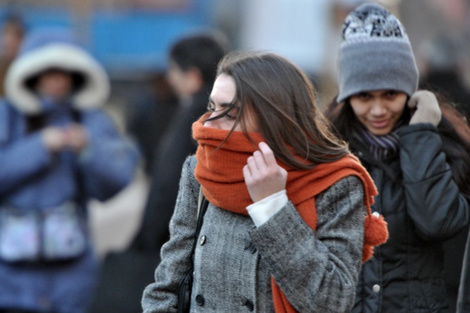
point(363, 96)
point(211, 107)
point(230, 116)
point(391, 93)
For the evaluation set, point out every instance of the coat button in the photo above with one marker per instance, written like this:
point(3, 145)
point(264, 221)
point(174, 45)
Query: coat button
point(200, 300)
point(250, 247)
point(202, 241)
point(249, 305)
point(376, 288)
point(329, 267)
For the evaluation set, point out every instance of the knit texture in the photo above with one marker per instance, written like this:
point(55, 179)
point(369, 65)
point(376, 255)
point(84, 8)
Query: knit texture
point(219, 171)
point(375, 53)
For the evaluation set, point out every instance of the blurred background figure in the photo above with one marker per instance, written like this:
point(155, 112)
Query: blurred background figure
point(443, 66)
point(11, 35)
point(192, 64)
point(192, 67)
point(58, 150)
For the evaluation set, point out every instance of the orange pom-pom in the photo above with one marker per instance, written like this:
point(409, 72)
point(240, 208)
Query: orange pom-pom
point(375, 233)
point(367, 252)
point(375, 229)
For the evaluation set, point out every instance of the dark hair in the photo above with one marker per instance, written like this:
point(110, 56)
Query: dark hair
point(202, 51)
point(78, 79)
point(283, 101)
point(453, 129)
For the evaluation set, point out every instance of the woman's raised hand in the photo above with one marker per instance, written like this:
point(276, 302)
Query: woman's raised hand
point(427, 108)
point(263, 176)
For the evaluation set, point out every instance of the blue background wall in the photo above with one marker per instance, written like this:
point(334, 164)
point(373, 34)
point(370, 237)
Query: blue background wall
point(124, 40)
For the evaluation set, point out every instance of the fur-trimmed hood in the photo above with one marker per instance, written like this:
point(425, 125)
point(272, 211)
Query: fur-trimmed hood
point(46, 49)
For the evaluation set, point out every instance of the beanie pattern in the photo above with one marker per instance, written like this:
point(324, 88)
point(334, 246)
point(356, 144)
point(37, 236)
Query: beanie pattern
point(375, 53)
point(376, 22)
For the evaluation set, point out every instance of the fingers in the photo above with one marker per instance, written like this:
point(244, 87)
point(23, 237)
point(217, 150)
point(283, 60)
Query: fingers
point(256, 164)
point(261, 160)
point(268, 154)
point(263, 176)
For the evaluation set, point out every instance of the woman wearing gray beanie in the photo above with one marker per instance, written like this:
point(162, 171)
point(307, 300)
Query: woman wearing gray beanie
point(416, 149)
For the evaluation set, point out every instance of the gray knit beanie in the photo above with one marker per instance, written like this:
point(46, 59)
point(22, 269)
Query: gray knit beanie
point(375, 53)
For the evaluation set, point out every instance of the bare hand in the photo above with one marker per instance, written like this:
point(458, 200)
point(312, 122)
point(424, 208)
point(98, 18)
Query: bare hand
point(263, 176)
point(54, 139)
point(76, 137)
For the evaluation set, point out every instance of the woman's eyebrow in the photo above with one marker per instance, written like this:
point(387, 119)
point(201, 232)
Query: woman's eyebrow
point(223, 104)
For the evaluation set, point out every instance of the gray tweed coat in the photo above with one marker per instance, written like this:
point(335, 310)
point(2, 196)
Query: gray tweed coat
point(234, 260)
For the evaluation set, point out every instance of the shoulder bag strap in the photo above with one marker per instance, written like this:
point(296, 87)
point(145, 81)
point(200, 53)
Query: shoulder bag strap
point(201, 210)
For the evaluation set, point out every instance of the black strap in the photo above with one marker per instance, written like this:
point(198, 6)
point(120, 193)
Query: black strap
point(200, 217)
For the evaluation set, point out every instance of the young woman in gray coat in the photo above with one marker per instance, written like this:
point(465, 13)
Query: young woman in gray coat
point(416, 150)
point(284, 230)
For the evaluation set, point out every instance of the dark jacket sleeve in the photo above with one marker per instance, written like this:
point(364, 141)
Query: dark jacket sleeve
point(463, 300)
point(434, 201)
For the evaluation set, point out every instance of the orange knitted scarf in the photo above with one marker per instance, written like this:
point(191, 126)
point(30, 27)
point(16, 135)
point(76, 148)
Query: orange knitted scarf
point(221, 177)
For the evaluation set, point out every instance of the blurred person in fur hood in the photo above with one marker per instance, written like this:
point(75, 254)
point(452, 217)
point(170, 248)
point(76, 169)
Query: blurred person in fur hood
point(58, 149)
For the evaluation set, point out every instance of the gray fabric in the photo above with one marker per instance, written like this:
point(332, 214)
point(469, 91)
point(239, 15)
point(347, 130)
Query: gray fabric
point(233, 265)
point(375, 54)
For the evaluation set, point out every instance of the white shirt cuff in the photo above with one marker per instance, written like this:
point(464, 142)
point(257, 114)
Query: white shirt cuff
point(261, 211)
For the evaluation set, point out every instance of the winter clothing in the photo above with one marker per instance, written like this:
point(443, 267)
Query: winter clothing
point(422, 206)
point(418, 195)
point(302, 186)
point(231, 251)
point(427, 108)
point(236, 265)
point(222, 180)
point(55, 49)
point(463, 298)
point(36, 179)
point(370, 35)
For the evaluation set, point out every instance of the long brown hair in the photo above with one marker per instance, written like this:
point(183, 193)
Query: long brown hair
point(453, 129)
point(283, 101)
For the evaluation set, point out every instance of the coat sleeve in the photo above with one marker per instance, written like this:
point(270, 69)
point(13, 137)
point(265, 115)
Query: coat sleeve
point(21, 159)
point(317, 271)
point(110, 161)
point(433, 199)
point(161, 296)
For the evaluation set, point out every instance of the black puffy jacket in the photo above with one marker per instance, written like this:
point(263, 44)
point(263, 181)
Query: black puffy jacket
point(423, 207)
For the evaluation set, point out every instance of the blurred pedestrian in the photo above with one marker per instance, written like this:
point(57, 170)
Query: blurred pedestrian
point(192, 67)
point(58, 149)
point(443, 60)
point(284, 229)
point(191, 72)
point(417, 150)
point(12, 32)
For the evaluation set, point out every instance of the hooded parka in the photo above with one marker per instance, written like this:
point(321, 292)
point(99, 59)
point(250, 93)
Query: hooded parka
point(33, 179)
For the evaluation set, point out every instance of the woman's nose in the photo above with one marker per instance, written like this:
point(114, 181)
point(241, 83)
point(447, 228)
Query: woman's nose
point(212, 123)
point(378, 108)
